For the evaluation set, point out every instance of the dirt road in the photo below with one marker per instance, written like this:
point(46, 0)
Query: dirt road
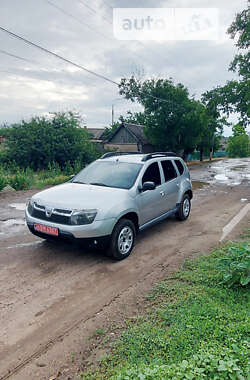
point(52, 296)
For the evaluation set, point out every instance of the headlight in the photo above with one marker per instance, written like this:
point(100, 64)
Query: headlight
point(30, 205)
point(83, 217)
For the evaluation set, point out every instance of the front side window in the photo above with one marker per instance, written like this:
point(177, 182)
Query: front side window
point(110, 174)
point(152, 174)
point(168, 170)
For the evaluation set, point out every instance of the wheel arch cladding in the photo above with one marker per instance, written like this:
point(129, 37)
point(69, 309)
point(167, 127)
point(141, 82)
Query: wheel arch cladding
point(189, 193)
point(133, 217)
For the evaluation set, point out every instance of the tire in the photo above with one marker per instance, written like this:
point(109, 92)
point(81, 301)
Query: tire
point(184, 208)
point(122, 240)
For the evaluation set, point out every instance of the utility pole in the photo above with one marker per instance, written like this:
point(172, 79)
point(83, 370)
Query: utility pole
point(112, 115)
point(113, 110)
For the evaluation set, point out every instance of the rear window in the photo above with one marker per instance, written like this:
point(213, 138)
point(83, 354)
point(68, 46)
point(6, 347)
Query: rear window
point(179, 166)
point(168, 170)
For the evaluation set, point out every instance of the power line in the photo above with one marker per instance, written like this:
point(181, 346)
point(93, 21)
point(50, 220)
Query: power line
point(15, 56)
point(92, 10)
point(76, 19)
point(139, 43)
point(85, 24)
point(107, 5)
point(30, 43)
point(14, 35)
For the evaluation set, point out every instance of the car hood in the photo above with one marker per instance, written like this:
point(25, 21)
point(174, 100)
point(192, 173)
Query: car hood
point(80, 196)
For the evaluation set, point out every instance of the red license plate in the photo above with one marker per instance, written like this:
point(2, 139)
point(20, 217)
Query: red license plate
point(46, 229)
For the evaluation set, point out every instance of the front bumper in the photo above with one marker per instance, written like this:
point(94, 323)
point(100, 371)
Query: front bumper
point(95, 242)
point(97, 229)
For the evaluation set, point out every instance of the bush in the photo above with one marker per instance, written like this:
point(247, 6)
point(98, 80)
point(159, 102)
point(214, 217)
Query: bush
point(52, 181)
point(3, 181)
point(21, 180)
point(238, 146)
point(44, 142)
point(68, 169)
point(77, 167)
point(235, 266)
point(207, 364)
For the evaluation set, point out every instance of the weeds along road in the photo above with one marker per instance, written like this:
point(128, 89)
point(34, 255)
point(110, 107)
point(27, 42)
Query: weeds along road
point(52, 295)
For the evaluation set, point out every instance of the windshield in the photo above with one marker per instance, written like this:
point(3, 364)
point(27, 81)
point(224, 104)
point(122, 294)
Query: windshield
point(109, 173)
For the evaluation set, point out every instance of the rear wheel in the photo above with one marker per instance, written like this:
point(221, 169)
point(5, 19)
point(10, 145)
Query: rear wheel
point(122, 239)
point(184, 208)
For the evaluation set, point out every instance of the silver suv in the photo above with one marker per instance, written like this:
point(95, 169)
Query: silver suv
point(112, 199)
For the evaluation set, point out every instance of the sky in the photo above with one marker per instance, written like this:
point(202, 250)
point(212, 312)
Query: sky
point(35, 83)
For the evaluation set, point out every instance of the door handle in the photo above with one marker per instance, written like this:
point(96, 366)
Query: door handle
point(162, 193)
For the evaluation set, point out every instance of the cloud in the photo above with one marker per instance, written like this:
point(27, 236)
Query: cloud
point(84, 35)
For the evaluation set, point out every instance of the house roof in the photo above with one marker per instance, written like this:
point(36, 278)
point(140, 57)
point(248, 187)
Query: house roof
point(136, 130)
point(96, 132)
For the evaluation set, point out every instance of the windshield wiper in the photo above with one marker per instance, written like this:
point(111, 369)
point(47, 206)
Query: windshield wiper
point(98, 184)
point(81, 183)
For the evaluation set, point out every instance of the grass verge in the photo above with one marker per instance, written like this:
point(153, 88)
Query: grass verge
point(20, 179)
point(195, 328)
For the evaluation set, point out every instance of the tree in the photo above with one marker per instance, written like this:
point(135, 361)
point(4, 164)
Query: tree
point(171, 117)
point(238, 130)
point(240, 29)
point(234, 96)
point(109, 131)
point(44, 140)
point(238, 144)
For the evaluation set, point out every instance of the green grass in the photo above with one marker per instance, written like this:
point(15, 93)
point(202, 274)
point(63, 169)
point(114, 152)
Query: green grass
point(196, 328)
point(21, 179)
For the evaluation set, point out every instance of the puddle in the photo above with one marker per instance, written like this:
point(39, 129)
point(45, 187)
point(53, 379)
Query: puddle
point(18, 206)
point(21, 245)
point(12, 226)
point(221, 177)
point(231, 172)
point(13, 222)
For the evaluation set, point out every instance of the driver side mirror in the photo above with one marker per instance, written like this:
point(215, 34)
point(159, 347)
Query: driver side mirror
point(148, 186)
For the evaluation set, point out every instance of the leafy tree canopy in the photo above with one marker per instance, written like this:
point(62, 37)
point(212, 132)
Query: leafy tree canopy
point(173, 120)
point(234, 96)
point(238, 144)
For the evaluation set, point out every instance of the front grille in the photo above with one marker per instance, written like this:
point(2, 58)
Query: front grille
point(60, 211)
point(40, 207)
point(55, 218)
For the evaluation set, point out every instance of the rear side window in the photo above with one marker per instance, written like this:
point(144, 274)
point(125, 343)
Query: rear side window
point(168, 170)
point(179, 166)
point(152, 174)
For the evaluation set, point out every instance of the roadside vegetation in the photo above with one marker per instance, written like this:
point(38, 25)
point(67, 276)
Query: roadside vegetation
point(196, 325)
point(44, 151)
point(239, 143)
point(24, 179)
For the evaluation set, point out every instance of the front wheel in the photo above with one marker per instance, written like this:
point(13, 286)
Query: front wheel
point(122, 239)
point(184, 208)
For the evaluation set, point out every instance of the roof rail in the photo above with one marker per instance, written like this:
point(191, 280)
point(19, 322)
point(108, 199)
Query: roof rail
point(113, 154)
point(158, 154)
